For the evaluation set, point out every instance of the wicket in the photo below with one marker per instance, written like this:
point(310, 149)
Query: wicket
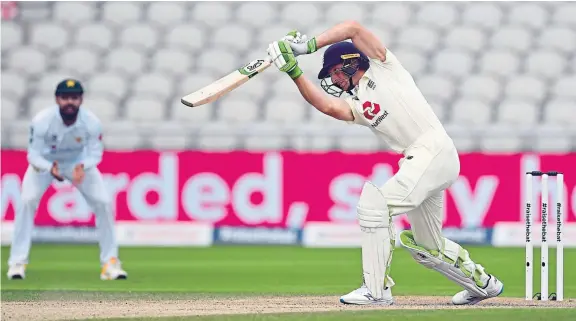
point(543, 295)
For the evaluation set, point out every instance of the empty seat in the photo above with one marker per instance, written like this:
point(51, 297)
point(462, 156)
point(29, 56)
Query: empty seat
point(125, 142)
point(526, 87)
point(438, 15)
point(308, 14)
point(272, 33)
point(565, 87)
point(265, 142)
point(188, 37)
point(518, 113)
point(436, 87)
point(560, 112)
point(359, 143)
point(503, 143)
point(549, 138)
point(564, 14)
point(439, 107)
point(126, 61)
point(237, 107)
point(46, 84)
point(480, 87)
point(169, 142)
point(79, 61)
point(266, 13)
point(454, 63)
point(144, 109)
point(466, 38)
point(531, 15)
point(74, 13)
point(418, 38)
point(283, 87)
point(231, 36)
point(97, 36)
point(108, 85)
point(13, 84)
point(414, 62)
point(121, 13)
point(338, 12)
point(27, 60)
point(499, 63)
point(558, 38)
point(482, 14)
point(391, 14)
point(39, 103)
point(282, 110)
point(105, 109)
point(219, 13)
point(10, 108)
point(218, 136)
point(155, 85)
point(140, 36)
point(221, 62)
point(515, 38)
point(12, 35)
point(545, 63)
point(166, 13)
point(172, 61)
point(471, 112)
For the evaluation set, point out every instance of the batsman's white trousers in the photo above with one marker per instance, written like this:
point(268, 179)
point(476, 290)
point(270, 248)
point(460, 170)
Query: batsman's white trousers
point(429, 167)
point(94, 192)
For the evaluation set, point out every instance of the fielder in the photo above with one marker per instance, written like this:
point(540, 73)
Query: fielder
point(65, 143)
point(382, 96)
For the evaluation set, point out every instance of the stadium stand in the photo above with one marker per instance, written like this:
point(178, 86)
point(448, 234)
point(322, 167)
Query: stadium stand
point(499, 74)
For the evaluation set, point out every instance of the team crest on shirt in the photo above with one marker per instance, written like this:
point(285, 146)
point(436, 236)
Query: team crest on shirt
point(78, 139)
point(373, 111)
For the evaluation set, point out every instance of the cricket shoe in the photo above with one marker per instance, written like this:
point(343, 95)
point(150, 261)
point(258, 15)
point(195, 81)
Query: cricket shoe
point(17, 272)
point(493, 288)
point(112, 270)
point(362, 296)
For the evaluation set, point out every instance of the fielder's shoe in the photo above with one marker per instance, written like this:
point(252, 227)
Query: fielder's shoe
point(362, 296)
point(113, 271)
point(17, 272)
point(494, 288)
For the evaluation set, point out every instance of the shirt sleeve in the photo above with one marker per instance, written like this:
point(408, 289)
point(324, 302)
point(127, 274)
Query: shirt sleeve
point(354, 104)
point(36, 146)
point(94, 145)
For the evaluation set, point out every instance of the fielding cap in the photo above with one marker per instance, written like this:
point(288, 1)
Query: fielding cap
point(69, 86)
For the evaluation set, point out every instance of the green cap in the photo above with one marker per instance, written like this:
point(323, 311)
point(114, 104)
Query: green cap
point(69, 86)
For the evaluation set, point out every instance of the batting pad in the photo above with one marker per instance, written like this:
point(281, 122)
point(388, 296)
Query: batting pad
point(452, 261)
point(377, 239)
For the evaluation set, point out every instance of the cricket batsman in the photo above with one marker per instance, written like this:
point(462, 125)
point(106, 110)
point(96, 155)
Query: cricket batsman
point(383, 96)
point(65, 143)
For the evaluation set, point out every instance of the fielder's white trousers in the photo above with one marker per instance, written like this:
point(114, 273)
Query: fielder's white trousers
point(430, 166)
point(94, 192)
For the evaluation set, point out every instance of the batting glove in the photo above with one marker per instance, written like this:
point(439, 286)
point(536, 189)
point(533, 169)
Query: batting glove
point(283, 57)
point(300, 43)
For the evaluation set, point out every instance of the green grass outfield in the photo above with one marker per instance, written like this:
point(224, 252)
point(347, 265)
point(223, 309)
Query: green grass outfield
point(66, 272)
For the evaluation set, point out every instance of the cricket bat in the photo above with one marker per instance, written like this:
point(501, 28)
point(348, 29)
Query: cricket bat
point(226, 84)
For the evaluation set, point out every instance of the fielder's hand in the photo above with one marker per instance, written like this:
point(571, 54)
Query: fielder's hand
point(55, 172)
point(78, 174)
point(300, 43)
point(283, 57)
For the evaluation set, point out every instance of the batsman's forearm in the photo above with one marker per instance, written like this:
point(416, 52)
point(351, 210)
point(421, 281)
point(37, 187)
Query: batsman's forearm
point(312, 94)
point(340, 32)
point(362, 38)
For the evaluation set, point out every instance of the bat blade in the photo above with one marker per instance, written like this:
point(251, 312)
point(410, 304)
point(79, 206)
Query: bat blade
point(226, 84)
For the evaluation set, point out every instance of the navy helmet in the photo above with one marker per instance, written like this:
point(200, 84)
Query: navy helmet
point(341, 53)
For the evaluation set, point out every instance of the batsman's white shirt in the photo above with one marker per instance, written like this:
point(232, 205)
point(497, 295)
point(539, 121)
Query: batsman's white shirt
point(51, 140)
point(388, 102)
